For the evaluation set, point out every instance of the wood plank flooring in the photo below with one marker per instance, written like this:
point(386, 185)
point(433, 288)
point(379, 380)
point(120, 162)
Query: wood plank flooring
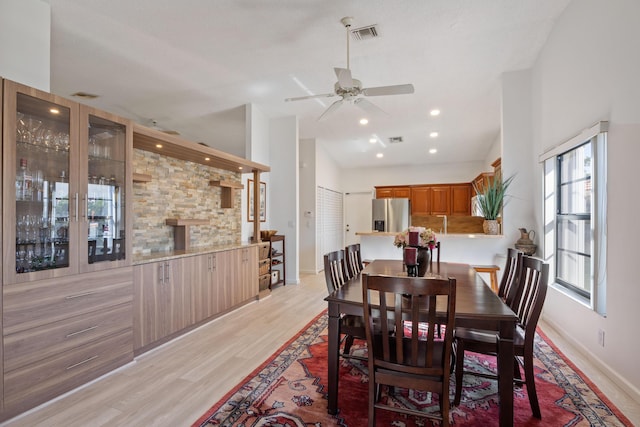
point(175, 384)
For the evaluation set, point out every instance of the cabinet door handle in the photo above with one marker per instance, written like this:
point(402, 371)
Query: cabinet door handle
point(161, 274)
point(166, 276)
point(75, 365)
point(213, 262)
point(72, 334)
point(84, 294)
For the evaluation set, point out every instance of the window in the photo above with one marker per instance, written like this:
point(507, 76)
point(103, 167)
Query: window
point(573, 220)
point(575, 216)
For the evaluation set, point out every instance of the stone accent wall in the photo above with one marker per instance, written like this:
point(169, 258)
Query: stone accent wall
point(180, 189)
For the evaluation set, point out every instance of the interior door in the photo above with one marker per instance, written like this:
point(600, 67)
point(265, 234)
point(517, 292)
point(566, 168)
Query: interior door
point(357, 215)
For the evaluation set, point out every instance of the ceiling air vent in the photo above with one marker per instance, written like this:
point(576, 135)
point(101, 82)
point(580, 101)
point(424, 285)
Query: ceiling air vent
point(395, 139)
point(84, 95)
point(365, 33)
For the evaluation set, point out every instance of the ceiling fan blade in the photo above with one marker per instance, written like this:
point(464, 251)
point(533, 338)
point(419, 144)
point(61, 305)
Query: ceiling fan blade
point(344, 77)
point(388, 90)
point(333, 107)
point(368, 106)
point(324, 95)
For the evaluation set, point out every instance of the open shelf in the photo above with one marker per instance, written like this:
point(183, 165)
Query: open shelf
point(141, 177)
point(181, 240)
point(228, 189)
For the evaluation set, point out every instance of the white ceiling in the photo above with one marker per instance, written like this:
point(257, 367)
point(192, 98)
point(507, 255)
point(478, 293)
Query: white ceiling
point(190, 64)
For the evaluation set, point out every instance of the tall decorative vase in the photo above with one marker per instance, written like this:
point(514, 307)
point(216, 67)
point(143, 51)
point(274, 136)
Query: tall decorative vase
point(491, 226)
point(424, 258)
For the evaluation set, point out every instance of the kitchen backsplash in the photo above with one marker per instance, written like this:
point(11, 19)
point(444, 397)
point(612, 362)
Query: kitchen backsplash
point(180, 189)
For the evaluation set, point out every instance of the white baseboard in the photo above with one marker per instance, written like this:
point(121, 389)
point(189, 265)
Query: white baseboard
point(613, 375)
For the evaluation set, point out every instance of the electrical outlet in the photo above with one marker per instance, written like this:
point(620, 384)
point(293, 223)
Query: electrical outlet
point(601, 337)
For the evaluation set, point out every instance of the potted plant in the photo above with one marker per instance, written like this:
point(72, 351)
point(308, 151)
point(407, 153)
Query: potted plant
point(491, 200)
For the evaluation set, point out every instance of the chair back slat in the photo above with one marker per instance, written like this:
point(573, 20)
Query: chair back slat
point(413, 300)
point(353, 260)
point(508, 289)
point(334, 270)
point(533, 290)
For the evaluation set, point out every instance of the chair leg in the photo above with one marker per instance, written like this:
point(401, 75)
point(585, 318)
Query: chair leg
point(516, 369)
point(531, 384)
point(373, 396)
point(348, 342)
point(459, 370)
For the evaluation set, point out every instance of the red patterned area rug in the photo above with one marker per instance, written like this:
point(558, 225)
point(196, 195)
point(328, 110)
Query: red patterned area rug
point(289, 389)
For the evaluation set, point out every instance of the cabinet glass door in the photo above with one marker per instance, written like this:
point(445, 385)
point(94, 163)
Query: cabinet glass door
point(104, 196)
point(39, 202)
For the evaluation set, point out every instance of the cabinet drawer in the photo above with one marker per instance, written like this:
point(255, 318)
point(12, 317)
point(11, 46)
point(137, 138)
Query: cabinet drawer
point(33, 345)
point(33, 384)
point(29, 305)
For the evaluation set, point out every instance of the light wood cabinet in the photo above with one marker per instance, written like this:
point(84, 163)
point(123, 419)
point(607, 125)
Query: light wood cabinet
point(63, 332)
point(403, 192)
point(172, 296)
point(66, 187)
point(162, 301)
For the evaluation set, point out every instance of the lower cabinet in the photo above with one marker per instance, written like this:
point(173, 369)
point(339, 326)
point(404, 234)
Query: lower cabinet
point(171, 296)
point(61, 333)
point(162, 301)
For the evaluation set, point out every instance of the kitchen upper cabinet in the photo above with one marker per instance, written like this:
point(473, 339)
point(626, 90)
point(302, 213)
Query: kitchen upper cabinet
point(393, 192)
point(461, 199)
point(421, 200)
point(431, 200)
point(441, 200)
point(482, 179)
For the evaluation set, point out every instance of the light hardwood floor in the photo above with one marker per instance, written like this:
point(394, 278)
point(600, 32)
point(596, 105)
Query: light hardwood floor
point(176, 383)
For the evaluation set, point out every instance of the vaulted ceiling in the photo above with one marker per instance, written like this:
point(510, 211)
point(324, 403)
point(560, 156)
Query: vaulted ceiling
point(192, 64)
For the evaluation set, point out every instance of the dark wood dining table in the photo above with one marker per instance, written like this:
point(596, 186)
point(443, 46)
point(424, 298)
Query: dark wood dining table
point(476, 306)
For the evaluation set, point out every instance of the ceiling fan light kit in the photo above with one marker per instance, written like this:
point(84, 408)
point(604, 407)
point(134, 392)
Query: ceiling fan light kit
point(350, 90)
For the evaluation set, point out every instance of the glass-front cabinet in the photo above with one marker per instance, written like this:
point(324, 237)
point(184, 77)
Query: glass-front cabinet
point(64, 186)
point(103, 189)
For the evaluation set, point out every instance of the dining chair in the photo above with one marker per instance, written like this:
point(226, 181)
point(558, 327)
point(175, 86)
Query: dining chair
point(527, 305)
point(415, 361)
point(352, 326)
point(353, 259)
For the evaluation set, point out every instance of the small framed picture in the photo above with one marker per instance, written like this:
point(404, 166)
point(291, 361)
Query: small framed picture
point(263, 201)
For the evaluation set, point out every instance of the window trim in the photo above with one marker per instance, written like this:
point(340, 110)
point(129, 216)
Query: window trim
point(597, 134)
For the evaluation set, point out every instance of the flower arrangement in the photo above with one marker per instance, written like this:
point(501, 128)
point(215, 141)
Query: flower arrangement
point(427, 238)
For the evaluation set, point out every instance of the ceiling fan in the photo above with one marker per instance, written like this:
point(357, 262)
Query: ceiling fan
point(350, 89)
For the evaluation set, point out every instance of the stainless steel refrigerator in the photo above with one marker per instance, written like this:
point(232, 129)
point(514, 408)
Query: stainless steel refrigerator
point(391, 215)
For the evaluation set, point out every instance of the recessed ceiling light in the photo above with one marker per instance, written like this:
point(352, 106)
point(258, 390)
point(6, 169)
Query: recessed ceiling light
point(364, 121)
point(435, 112)
point(433, 150)
point(240, 167)
point(158, 145)
point(54, 111)
point(433, 134)
point(373, 140)
point(379, 155)
point(207, 159)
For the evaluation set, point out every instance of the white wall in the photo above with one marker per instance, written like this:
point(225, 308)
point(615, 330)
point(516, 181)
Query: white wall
point(25, 34)
point(284, 189)
point(588, 71)
point(257, 149)
point(364, 179)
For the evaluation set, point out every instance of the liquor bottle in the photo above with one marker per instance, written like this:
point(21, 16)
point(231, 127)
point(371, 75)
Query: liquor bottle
point(24, 182)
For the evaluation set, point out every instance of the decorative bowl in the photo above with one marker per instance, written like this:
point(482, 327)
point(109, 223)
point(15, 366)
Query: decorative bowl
point(266, 234)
